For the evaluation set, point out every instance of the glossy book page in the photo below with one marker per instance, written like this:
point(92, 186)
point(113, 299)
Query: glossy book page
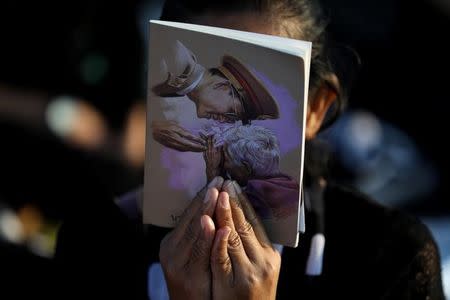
point(229, 106)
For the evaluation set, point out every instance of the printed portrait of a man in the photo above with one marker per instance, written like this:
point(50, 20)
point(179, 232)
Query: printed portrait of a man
point(227, 93)
point(230, 94)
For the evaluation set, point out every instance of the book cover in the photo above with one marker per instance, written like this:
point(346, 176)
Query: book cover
point(224, 104)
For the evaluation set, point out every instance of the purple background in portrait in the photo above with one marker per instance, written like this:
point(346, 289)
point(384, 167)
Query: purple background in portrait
point(286, 128)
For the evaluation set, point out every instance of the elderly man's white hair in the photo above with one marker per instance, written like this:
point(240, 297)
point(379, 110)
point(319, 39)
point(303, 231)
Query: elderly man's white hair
point(255, 145)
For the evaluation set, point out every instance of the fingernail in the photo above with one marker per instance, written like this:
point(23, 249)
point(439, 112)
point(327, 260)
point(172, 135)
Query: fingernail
point(229, 188)
point(237, 188)
point(220, 181)
point(203, 221)
point(213, 182)
point(208, 195)
point(216, 182)
point(224, 201)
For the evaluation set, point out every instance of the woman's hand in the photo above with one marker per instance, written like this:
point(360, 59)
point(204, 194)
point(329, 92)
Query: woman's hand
point(172, 135)
point(213, 159)
point(243, 262)
point(185, 252)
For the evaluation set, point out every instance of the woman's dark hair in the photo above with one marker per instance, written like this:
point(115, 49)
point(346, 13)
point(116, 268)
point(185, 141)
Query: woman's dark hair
point(299, 19)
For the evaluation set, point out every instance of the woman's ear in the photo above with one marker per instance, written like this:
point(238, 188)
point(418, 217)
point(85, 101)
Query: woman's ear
point(319, 102)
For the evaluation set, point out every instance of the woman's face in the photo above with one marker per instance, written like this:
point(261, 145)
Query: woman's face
point(215, 99)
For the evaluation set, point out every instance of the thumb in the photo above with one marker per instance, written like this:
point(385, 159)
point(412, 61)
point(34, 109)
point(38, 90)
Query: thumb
point(201, 251)
point(220, 260)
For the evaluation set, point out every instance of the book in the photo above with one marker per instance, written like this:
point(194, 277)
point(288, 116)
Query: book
point(239, 95)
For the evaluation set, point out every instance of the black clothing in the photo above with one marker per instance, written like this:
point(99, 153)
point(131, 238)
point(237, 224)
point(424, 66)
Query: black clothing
point(371, 252)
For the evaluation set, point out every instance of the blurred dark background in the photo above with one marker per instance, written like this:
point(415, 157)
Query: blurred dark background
point(72, 115)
